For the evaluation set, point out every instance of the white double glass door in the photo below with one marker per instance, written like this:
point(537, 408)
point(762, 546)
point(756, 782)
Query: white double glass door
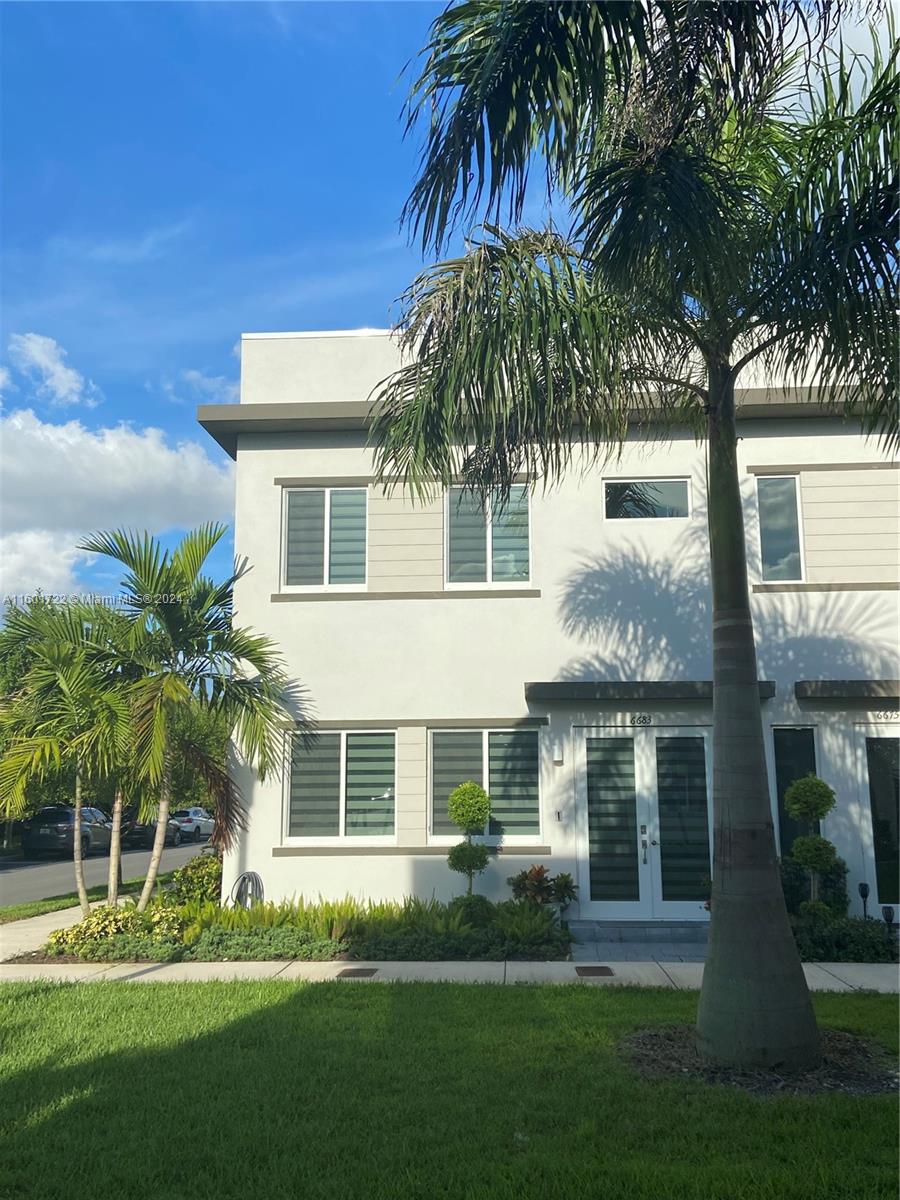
point(645, 822)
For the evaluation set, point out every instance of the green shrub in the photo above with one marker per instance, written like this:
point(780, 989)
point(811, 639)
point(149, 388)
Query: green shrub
point(814, 853)
point(476, 911)
point(809, 799)
point(470, 859)
point(131, 947)
point(469, 807)
point(526, 923)
point(198, 881)
point(565, 890)
point(847, 939)
point(411, 945)
point(832, 886)
point(159, 924)
point(260, 944)
point(534, 884)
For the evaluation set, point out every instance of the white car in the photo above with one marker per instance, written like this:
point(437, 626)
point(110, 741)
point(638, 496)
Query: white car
point(194, 823)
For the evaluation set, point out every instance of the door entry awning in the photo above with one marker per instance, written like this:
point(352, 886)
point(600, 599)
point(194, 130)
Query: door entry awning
point(847, 689)
point(630, 690)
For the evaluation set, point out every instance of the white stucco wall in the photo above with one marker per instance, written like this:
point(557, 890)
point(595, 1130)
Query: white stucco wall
point(617, 601)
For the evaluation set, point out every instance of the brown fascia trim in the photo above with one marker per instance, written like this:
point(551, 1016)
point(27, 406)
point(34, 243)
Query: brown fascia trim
point(642, 691)
point(396, 851)
point(225, 422)
point(848, 689)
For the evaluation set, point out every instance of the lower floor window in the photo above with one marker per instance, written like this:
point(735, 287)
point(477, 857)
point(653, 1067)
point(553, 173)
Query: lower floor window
point(507, 765)
point(342, 785)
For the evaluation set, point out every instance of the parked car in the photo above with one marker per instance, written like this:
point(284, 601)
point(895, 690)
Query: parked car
point(194, 823)
point(143, 833)
point(52, 831)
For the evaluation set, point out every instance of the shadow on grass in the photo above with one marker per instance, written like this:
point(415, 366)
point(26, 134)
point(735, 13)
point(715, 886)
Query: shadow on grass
point(380, 1091)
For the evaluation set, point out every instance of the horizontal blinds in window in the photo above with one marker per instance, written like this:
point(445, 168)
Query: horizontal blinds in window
point(305, 541)
point(509, 538)
point(513, 782)
point(612, 819)
point(467, 552)
point(347, 545)
point(315, 796)
point(683, 817)
point(370, 784)
point(456, 757)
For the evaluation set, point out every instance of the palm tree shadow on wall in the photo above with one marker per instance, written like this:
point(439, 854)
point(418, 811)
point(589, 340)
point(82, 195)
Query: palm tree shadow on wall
point(648, 617)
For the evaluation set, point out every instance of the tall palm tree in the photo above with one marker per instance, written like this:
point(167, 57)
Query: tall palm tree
point(185, 654)
point(743, 234)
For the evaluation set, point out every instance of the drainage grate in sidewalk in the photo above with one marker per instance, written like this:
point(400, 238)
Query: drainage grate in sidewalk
point(357, 973)
point(592, 972)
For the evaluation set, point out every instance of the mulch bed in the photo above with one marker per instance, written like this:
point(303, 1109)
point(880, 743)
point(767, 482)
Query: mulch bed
point(850, 1065)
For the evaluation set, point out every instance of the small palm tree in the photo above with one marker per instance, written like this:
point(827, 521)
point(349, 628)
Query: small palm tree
point(183, 654)
point(68, 710)
point(706, 238)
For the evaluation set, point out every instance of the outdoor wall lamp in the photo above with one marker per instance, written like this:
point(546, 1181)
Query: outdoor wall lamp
point(864, 896)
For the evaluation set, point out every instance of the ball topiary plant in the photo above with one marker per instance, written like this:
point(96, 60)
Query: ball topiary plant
point(470, 859)
point(809, 799)
point(817, 855)
point(469, 807)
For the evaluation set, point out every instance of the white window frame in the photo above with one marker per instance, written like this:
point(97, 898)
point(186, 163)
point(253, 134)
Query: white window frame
point(321, 587)
point(342, 838)
point(489, 583)
point(796, 478)
point(685, 479)
point(450, 839)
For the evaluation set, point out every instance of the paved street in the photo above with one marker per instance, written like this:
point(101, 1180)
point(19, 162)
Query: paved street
point(24, 880)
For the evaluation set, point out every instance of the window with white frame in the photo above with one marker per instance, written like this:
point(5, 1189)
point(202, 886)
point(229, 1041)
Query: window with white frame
point(646, 499)
point(779, 528)
point(342, 785)
point(506, 762)
point(324, 537)
point(487, 543)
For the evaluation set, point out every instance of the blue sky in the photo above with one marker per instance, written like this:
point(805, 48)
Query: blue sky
point(176, 174)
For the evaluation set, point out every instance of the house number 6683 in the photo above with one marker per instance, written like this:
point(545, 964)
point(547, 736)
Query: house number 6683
point(641, 719)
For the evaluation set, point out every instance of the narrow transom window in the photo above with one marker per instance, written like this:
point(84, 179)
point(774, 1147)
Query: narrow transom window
point(779, 527)
point(325, 537)
point(342, 785)
point(505, 762)
point(487, 543)
point(630, 499)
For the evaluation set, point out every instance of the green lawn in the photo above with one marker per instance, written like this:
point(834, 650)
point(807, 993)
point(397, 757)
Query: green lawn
point(37, 908)
point(393, 1091)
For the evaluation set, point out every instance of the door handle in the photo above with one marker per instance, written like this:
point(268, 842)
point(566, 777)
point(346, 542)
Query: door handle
point(653, 842)
point(644, 849)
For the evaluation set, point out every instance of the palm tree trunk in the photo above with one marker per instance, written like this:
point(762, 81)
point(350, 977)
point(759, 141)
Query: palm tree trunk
point(159, 841)
point(76, 848)
point(115, 851)
point(755, 1008)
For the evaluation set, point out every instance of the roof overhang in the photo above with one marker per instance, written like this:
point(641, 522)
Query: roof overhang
point(848, 689)
point(226, 422)
point(597, 692)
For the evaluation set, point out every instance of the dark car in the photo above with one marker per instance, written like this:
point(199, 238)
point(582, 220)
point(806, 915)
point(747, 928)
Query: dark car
point(143, 833)
point(52, 831)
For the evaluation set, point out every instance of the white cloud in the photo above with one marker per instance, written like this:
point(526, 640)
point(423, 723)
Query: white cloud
point(63, 481)
point(43, 360)
point(6, 383)
point(123, 251)
point(216, 388)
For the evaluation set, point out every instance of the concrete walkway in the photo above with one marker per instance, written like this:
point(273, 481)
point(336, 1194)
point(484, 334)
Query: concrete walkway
point(22, 937)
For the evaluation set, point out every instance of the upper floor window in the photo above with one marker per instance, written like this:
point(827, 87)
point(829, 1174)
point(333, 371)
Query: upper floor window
point(487, 544)
point(779, 527)
point(505, 762)
point(342, 786)
point(325, 537)
point(646, 498)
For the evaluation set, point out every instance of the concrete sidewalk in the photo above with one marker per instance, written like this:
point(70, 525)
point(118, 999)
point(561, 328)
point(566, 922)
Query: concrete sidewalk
point(822, 977)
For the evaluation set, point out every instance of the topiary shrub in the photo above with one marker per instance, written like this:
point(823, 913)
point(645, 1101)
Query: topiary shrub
point(809, 799)
point(475, 910)
point(470, 859)
point(832, 887)
point(469, 807)
point(198, 881)
point(817, 855)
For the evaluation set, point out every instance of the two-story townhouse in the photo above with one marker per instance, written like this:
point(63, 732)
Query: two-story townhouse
point(557, 651)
